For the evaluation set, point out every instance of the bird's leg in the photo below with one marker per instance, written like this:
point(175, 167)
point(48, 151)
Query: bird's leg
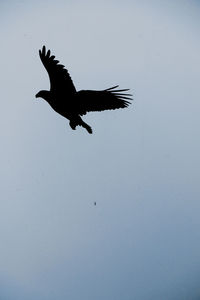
point(78, 121)
point(73, 124)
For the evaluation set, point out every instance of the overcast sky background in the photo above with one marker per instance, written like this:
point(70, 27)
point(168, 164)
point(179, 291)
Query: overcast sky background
point(141, 164)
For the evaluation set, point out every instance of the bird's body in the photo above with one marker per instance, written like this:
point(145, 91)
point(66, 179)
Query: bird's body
point(69, 103)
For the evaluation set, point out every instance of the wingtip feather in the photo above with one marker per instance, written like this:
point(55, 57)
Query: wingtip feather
point(43, 50)
point(48, 53)
point(120, 95)
point(111, 88)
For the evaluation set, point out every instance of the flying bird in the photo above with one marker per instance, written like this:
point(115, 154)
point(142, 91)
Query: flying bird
point(72, 104)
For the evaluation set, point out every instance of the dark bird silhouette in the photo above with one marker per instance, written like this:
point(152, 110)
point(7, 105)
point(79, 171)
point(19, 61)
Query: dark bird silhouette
point(69, 103)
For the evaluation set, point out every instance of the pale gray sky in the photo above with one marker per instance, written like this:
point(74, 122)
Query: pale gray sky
point(141, 165)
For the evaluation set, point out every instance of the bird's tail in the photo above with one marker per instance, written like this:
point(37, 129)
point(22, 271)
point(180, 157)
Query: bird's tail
point(86, 126)
point(78, 121)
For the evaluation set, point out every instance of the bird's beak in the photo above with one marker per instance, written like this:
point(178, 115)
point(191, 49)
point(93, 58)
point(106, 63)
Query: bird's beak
point(37, 95)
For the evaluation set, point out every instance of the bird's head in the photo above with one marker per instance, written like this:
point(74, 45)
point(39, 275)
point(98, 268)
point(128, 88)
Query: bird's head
point(43, 94)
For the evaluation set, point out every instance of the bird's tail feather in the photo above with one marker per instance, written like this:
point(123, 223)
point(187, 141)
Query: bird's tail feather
point(78, 121)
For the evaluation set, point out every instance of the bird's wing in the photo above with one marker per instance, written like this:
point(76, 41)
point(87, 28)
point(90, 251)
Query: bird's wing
point(102, 100)
point(60, 79)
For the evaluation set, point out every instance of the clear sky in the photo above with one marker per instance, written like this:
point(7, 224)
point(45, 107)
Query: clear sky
point(141, 165)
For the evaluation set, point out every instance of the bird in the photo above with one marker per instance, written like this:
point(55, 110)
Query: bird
point(72, 104)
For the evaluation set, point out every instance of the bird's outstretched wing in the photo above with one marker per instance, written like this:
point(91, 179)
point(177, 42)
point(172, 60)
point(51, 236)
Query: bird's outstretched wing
point(60, 79)
point(102, 100)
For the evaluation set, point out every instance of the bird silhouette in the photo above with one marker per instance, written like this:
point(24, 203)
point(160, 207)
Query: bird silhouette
point(72, 104)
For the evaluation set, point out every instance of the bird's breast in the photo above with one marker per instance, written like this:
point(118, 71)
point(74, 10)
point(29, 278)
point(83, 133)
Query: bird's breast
point(63, 107)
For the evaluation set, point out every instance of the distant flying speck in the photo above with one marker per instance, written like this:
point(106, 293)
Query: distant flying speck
point(95, 203)
point(69, 103)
